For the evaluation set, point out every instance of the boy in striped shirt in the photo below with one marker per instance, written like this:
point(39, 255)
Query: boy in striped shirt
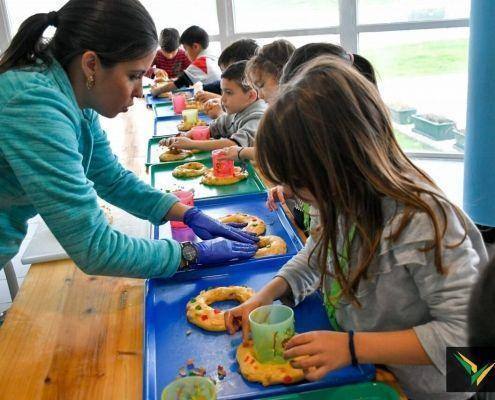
point(203, 67)
point(169, 58)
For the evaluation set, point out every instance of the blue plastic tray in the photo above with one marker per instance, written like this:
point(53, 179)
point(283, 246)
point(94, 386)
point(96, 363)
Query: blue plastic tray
point(166, 111)
point(252, 204)
point(167, 346)
point(150, 99)
point(168, 126)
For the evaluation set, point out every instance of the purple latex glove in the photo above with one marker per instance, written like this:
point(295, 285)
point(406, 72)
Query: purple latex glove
point(206, 228)
point(221, 250)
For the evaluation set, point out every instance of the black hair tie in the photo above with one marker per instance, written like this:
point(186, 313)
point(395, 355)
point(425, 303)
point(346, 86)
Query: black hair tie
point(52, 18)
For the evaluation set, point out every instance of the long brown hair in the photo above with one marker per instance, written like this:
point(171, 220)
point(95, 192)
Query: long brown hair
point(329, 133)
point(270, 59)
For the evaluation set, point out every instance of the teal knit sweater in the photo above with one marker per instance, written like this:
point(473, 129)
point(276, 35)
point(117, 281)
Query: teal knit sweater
point(54, 160)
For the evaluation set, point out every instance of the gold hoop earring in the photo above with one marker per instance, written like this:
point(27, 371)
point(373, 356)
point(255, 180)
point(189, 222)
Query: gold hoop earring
point(90, 82)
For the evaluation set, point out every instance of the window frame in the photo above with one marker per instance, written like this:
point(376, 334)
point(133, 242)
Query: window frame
point(348, 29)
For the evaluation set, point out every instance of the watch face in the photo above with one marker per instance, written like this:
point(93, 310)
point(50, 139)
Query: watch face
point(189, 252)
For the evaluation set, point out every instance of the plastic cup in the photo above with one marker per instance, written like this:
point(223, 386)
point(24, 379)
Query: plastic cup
point(221, 168)
point(271, 327)
point(190, 116)
point(190, 388)
point(200, 133)
point(179, 103)
point(185, 197)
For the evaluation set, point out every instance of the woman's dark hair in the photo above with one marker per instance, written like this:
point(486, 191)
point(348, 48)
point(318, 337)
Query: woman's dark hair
point(169, 40)
point(235, 72)
point(271, 58)
point(195, 34)
point(312, 50)
point(116, 30)
point(242, 49)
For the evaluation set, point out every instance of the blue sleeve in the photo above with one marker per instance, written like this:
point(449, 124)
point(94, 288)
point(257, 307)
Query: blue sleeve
point(121, 187)
point(39, 140)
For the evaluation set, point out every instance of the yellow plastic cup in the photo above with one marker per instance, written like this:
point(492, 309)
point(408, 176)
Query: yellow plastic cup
point(190, 116)
point(271, 327)
point(190, 388)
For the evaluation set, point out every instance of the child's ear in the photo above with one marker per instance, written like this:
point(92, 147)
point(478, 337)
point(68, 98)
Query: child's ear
point(253, 95)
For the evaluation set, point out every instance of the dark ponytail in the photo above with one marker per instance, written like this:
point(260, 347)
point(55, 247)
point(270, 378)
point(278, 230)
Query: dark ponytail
point(116, 30)
point(312, 50)
point(365, 67)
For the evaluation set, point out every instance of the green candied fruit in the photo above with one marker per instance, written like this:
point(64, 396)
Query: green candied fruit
point(198, 307)
point(193, 300)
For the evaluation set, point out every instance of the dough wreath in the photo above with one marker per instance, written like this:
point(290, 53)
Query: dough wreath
point(200, 313)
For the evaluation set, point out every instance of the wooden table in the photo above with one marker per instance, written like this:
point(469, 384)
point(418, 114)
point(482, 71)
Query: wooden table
point(73, 336)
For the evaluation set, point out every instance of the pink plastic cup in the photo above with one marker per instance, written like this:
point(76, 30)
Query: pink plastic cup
point(185, 197)
point(200, 133)
point(179, 103)
point(221, 168)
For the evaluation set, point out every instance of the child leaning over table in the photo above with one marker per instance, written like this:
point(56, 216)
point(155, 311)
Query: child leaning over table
point(395, 259)
point(239, 125)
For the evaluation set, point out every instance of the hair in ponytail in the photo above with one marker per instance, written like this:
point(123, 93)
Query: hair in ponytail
point(312, 50)
point(116, 31)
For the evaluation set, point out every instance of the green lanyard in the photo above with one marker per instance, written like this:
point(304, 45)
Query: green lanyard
point(307, 216)
point(332, 299)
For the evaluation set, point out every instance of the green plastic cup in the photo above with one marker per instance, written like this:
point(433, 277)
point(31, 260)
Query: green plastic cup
point(271, 327)
point(190, 388)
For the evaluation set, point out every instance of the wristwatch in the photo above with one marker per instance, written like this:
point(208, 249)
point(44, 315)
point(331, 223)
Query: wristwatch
point(189, 253)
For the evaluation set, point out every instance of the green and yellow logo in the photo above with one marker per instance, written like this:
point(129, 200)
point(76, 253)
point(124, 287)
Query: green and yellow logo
point(476, 375)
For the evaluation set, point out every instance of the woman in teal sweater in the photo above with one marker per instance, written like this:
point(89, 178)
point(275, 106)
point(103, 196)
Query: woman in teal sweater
point(55, 158)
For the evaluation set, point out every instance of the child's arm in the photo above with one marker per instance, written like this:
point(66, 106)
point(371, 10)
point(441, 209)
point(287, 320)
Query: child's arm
point(158, 90)
point(238, 153)
point(185, 143)
point(329, 350)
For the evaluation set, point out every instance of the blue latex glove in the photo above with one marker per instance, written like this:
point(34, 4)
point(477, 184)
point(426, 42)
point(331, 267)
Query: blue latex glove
point(221, 250)
point(206, 228)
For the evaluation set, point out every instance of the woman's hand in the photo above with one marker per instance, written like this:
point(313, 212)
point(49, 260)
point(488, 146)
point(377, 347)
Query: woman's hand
point(278, 193)
point(206, 227)
point(205, 96)
point(178, 142)
point(230, 153)
point(323, 351)
point(213, 108)
point(221, 250)
point(238, 317)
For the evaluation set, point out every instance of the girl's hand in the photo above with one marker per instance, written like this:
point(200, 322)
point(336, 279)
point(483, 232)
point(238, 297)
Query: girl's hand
point(213, 108)
point(323, 351)
point(278, 193)
point(238, 317)
point(230, 153)
point(179, 142)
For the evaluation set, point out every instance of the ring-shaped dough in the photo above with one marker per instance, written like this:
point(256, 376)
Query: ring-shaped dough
point(210, 179)
point(266, 373)
point(189, 170)
point(271, 245)
point(200, 313)
point(254, 224)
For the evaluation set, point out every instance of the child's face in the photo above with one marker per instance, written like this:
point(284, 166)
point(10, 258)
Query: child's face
point(266, 85)
point(193, 51)
point(169, 55)
point(234, 99)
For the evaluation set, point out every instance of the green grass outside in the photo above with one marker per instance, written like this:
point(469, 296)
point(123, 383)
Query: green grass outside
point(417, 59)
point(409, 144)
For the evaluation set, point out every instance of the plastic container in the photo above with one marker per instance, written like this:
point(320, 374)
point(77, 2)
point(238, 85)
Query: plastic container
point(190, 388)
point(200, 133)
point(186, 197)
point(190, 116)
point(179, 103)
point(221, 167)
point(271, 327)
